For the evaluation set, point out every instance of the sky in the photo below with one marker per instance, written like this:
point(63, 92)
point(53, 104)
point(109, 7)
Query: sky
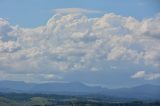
point(101, 42)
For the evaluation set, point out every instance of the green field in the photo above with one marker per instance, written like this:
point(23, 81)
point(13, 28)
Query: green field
point(13, 99)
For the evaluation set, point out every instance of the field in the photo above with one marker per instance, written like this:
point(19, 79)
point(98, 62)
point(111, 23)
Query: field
point(13, 99)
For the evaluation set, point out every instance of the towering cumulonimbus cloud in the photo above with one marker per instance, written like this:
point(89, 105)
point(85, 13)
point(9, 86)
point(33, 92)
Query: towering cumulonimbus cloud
point(74, 42)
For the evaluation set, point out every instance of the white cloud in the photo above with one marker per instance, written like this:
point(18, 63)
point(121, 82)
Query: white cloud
point(147, 76)
point(139, 74)
point(5, 29)
point(30, 77)
point(75, 10)
point(9, 46)
point(74, 42)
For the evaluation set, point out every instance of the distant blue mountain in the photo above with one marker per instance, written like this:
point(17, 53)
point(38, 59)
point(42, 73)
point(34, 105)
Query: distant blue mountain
point(151, 92)
point(140, 92)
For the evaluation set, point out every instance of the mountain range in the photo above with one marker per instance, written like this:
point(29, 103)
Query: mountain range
point(143, 92)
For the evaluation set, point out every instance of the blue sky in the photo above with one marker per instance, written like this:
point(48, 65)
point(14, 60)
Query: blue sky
point(31, 13)
point(102, 42)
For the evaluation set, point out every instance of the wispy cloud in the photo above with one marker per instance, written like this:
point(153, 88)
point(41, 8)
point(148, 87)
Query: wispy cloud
point(76, 10)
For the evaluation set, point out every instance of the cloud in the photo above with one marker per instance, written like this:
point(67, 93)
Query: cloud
point(5, 29)
point(7, 40)
point(139, 74)
point(74, 42)
point(75, 10)
point(147, 76)
point(29, 77)
point(9, 46)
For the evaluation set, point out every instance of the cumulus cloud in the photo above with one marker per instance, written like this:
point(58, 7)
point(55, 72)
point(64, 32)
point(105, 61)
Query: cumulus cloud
point(147, 76)
point(9, 46)
point(7, 40)
point(5, 31)
point(75, 42)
